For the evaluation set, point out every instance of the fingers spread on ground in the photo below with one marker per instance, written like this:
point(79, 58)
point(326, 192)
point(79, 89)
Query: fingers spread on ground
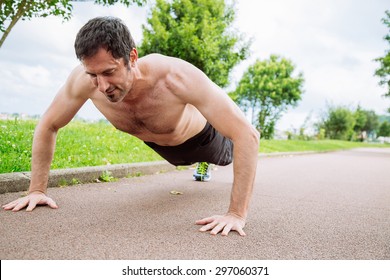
point(218, 228)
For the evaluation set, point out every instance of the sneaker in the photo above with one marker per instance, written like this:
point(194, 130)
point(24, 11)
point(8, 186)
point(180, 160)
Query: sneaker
point(202, 172)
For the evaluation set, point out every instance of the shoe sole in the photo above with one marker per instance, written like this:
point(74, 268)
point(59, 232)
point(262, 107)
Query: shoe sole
point(201, 179)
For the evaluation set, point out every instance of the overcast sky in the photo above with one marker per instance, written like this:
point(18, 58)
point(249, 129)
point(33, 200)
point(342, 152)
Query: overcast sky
point(332, 42)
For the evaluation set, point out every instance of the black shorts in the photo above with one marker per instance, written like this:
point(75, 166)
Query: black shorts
point(207, 146)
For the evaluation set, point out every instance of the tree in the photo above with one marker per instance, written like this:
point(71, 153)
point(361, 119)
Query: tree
point(11, 11)
point(383, 72)
point(366, 121)
point(198, 31)
point(338, 123)
point(360, 120)
point(267, 89)
point(384, 129)
point(372, 123)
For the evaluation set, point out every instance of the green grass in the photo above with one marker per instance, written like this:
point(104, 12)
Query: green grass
point(91, 144)
point(15, 145)
point(273, 146)
point(78, 144)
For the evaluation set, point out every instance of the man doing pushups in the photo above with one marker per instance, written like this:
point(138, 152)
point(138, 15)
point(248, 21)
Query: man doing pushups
point(166, 102)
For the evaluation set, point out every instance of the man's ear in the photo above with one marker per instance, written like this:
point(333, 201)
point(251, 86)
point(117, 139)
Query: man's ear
point(133, 56)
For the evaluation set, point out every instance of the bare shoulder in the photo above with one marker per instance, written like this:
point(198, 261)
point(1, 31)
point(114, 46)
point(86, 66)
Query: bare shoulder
point(179, 76)
point(78, 84)
point(169, 64)
point(154, 58)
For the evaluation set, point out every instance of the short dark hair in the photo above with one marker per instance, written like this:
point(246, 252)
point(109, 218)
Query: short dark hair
point(104, 32)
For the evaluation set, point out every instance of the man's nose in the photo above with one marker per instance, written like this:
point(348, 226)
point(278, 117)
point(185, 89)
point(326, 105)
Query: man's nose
point(102, 84)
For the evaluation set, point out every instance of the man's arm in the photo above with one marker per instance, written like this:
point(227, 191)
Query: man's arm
point(63, 108)
point(224, 115)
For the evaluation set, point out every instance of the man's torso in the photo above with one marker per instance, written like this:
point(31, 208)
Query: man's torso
point(155, 115)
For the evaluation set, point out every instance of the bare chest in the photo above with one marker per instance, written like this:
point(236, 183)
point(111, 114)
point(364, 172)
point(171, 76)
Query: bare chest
point(145, 118)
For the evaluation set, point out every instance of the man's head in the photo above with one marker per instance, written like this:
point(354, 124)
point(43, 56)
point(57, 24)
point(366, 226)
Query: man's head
point(109, 33)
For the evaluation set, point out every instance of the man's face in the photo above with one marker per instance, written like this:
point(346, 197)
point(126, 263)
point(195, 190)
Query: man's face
point(110, 75)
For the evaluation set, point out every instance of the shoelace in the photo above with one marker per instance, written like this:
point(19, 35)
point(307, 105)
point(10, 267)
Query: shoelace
point(202, 168)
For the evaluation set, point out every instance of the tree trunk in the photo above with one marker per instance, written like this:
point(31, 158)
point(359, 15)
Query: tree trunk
point(22, 8)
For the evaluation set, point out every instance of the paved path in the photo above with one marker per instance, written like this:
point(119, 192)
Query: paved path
point(319, 206)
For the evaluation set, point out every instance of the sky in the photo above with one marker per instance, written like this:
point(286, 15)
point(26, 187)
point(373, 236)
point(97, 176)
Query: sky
point(333, 43)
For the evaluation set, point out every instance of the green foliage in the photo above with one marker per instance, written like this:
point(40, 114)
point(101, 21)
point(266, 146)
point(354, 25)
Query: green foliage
point(13, 10)
point(321, 134)
point(372, 122)
point(342, 123)
point(268, 88)
point(339, 123)
point(383, 72)
point(25, 9)
point(365, 121)
point(107, 177)
point(384, 129)
point(127, 3)
point(360, 120)
point(63, 182)
point(198, 31)
point(75, 181)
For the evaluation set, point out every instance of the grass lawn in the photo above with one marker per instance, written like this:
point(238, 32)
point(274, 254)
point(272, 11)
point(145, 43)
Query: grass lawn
point(272, 146)
point(91, 144)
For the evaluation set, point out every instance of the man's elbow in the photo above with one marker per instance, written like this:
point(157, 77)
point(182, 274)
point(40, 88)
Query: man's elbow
point(45, 126)
point(250, 136)
point(247, 137)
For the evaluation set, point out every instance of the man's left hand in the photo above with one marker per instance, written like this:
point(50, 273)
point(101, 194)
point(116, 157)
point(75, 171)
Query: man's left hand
point(223, 224)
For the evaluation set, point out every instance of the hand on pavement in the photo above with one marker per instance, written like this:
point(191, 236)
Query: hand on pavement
point(31, 201)
point(224, 223)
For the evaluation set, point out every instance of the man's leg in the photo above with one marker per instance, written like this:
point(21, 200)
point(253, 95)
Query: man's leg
point(207, 147)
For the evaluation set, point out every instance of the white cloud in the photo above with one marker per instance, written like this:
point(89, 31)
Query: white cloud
point(36, 76)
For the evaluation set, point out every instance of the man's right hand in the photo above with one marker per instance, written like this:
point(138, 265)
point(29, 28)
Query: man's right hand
point(30, 201)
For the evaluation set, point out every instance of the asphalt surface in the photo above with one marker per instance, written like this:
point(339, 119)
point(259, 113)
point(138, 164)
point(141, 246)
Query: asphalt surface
point(319, 206)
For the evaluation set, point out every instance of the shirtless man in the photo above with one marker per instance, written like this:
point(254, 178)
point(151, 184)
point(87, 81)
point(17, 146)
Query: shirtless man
point(164, 101)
